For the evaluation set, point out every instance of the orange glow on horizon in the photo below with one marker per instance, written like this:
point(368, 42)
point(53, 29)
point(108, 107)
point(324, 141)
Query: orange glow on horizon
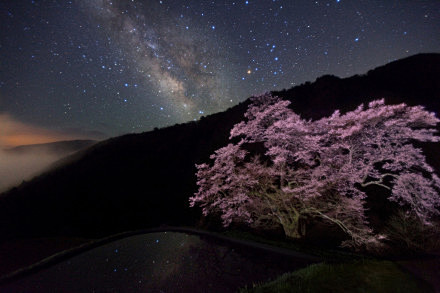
point(26, 139)
point(15, 133)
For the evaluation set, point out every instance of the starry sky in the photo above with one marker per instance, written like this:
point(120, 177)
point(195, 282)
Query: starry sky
point(101, 68)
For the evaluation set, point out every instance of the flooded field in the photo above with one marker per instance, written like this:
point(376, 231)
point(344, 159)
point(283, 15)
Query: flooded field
point(160, 262)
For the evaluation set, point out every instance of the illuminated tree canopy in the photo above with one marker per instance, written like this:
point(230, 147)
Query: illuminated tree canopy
point(319, 169)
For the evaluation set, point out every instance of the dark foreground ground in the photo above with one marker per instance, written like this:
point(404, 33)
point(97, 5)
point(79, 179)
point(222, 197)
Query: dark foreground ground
point(39, 257)
point(158, 261)
point(426, 269)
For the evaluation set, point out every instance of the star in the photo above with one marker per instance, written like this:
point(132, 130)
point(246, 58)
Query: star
point(185, 57)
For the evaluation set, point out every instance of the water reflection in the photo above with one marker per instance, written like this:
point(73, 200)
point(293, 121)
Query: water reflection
point(160, 262)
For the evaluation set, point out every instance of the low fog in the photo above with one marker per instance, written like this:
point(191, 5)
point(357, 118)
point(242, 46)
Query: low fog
point(16, 167)
point(26, 150)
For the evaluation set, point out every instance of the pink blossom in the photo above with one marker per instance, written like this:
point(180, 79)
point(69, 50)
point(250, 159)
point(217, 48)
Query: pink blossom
point(312, 169)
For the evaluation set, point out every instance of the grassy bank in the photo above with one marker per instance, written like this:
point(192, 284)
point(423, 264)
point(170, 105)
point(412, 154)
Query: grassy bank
point(327, 254)
point(357, 276)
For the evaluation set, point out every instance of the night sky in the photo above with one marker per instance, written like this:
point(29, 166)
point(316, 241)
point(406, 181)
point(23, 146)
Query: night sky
point(101, 68)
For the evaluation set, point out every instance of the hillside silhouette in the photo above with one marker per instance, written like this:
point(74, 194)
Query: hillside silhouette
point(144, 180)
point(58, 148)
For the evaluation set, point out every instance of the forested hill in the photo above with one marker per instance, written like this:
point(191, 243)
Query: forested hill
point(413, 80)
point(143, 180)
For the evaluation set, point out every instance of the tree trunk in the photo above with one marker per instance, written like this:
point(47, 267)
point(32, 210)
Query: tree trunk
point(292, 226)
point(291, 231)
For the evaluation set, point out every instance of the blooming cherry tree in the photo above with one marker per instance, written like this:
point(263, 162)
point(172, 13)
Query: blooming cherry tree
point(319, 169)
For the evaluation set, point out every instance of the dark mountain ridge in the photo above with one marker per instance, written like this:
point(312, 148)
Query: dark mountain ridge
point(144, 180)
point(58, 148)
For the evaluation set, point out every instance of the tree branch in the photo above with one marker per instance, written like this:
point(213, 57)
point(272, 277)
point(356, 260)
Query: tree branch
point(380, 181)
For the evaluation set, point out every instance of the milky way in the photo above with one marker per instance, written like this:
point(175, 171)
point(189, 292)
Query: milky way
point(100, 68)
point(182, 67)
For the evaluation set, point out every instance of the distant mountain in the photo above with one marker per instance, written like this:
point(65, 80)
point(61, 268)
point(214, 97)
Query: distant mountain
point(143, 180)
point(60, 148)
point(413, 80)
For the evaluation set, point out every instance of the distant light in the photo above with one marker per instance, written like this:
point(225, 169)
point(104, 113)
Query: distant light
point(356, 40)
point(247, 2)
point(213, 27)
point(276, 58)
point(126, 84)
